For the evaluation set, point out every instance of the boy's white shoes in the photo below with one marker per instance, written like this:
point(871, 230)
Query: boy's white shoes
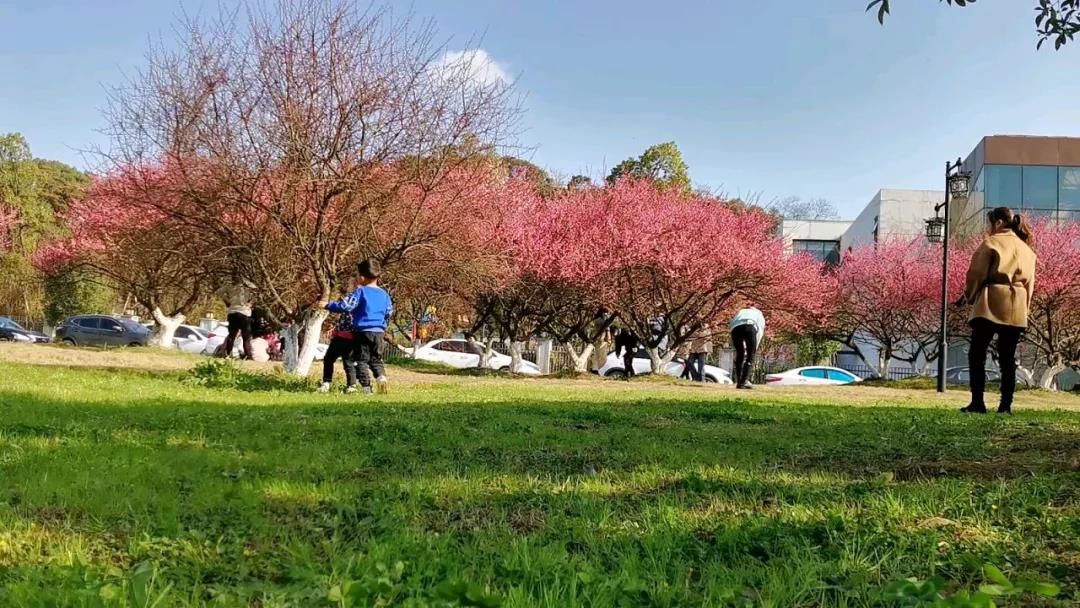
point(323, 388)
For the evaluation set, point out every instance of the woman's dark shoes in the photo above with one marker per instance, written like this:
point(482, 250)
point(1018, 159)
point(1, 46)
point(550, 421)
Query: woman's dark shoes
point(973, 409)
point(1005, 410)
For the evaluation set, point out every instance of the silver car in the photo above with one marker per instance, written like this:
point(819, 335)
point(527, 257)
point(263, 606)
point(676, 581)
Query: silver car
point(101, 330)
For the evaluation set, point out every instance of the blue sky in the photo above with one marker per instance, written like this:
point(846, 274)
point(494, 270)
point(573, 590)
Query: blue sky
point(775, 97)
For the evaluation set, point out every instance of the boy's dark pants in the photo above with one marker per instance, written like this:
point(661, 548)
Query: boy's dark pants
point(368, 354)
point(339, 348)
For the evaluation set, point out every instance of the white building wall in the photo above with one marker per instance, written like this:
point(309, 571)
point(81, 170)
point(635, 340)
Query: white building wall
point(864, 228)
point(904, 212)
point(892, 214)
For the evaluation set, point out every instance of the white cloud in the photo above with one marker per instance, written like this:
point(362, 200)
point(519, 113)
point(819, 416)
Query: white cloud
point(479, 67)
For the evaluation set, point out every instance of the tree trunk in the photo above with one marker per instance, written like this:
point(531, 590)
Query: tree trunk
point(515, 356)
point(601, 349)
point(1026, 375)
point(299, 357)
point(166, 328)
point(416, 344)
point(1046, 380)
point(884, 356)
point(580, 360)
point(290, 353)
point(656, 363)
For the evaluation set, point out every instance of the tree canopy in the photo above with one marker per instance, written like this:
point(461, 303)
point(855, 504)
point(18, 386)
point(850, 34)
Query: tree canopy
point(1057, 20)
point(662, 164)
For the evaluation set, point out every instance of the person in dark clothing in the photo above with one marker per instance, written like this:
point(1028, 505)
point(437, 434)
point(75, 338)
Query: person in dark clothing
point(999, 287)
point(370, 308)
point(627, 343)
point(238, 297)
point(340, 347)
point(747, 329)
point(700, 347)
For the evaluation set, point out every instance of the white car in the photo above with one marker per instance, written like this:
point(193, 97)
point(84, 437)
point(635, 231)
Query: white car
point(190, 339)
point(613, 368)
point(812, 376)
point(463, 354)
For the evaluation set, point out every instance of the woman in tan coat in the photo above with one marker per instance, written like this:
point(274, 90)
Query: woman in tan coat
point(999, 285)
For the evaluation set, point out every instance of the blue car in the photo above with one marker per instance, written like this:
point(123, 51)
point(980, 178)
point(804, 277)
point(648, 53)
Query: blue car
point(102, 330)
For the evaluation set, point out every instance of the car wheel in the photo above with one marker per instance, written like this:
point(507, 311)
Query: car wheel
point(505, 369)
point(615, 374)
point(134, 344)
point(711, 380)
point(68, 342)
point(5, 339)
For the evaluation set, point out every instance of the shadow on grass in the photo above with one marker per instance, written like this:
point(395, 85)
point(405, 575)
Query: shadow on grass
point(684, 490)
point(566, 438)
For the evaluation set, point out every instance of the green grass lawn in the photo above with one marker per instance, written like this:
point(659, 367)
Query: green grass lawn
point(140, 488)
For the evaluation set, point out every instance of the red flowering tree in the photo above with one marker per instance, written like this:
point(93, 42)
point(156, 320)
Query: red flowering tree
point(117, 233)
point(888, 297)
point(1054, 323)
point(305, 136)
point(651, 255)
point(559, 245)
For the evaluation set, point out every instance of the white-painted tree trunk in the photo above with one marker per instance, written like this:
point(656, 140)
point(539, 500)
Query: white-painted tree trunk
point(655, 363)
point(416, 344)
point(300, 357)
point(580, 359)
point(884, 356)
point(1026, 375)
point(165, 328)
point(487, 349)
point(515, 356)
point(1046, 380)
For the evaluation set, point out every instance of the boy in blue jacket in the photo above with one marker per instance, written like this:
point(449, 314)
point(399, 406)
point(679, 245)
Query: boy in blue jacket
point(370, 307)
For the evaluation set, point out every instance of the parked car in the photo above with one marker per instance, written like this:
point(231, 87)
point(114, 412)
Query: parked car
point(463, 354)
point(10, 331)
point(190, 339)
point(961, 376)
point(613, 368)
point(102, 330)
point(812, 376)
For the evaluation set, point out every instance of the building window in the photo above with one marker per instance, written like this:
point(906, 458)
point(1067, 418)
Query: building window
point(1004, 186)
point(1040, 188)
point(827, 252)
point(1069, 195)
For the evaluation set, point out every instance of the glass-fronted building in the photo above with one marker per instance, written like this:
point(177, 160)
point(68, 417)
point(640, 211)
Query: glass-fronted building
point(1037, 176)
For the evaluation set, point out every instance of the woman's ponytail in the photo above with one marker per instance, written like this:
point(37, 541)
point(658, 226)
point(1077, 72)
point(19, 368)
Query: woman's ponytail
point(1023, 229)
point(1013, 221)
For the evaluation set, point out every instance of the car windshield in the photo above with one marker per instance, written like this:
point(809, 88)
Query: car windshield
point(9, 324)
point(132, 325)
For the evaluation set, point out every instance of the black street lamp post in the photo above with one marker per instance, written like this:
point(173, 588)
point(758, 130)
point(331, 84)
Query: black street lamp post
point(937, 231)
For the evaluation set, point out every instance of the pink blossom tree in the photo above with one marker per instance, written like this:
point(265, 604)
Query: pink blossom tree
point(889, 295)
point(1054, 322)
point(114, 231)
point(305, 136)
point(658, 254)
